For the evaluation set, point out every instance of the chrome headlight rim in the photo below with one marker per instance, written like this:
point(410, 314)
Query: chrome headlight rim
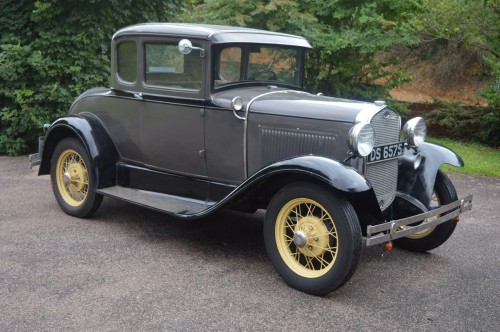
point(415, 132)
point(362, 139)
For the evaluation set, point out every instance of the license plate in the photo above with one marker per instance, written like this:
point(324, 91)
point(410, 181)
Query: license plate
point(385, 152)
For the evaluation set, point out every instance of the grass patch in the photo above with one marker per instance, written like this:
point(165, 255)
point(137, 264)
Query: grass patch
point(478, 159)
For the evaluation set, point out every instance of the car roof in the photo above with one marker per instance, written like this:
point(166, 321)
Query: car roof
point(213, 33)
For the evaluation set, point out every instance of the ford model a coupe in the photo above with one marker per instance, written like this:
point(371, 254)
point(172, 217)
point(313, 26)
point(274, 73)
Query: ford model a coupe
point(203, 117)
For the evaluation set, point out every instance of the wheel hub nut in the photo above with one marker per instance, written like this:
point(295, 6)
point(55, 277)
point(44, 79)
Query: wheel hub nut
point(300, 239)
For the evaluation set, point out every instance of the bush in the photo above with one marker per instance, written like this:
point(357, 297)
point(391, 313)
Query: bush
point(481, 124)
point(53, 50)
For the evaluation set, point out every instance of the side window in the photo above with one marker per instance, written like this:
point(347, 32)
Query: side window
point(127, 61)
point(166, 66)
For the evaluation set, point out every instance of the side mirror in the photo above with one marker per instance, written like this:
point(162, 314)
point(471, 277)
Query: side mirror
point(185, 47)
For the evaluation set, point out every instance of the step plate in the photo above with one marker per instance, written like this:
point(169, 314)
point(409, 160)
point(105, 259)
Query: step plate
point(162, 202)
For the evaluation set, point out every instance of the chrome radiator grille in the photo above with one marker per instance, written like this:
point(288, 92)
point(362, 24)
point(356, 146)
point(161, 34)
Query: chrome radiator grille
point(383, 175)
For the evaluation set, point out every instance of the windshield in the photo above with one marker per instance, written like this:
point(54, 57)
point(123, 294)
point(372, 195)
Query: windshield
point(257, 63)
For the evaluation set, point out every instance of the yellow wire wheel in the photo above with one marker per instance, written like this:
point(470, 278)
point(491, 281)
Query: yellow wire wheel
point(312, 237)
point(72, 177)
point(306, 237)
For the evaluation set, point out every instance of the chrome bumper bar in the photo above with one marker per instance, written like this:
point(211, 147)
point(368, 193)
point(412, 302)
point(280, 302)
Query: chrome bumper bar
point(396, 229)
point(36, 158)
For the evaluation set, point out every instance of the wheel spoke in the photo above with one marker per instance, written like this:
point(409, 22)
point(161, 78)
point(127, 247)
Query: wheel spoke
point(297, 212)
point(309, 263)
point(288, 239)
point(310, 209)
point(296, 254)
point(289, 224)
point(324, 263)
point(329, 233)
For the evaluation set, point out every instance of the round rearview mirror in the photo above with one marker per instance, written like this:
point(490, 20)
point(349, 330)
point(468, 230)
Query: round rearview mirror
point(185, 46)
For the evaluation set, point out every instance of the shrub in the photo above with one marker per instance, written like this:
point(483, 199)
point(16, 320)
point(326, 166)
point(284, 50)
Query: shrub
point(481, 124)
point(53, 50)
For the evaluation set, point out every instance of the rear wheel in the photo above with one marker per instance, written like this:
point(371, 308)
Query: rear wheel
point(73, 179)
point(428, 239)
point(312, 237)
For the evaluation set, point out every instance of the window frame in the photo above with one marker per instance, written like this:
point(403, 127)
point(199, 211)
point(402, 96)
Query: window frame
point(245, 58)
point(167, 90)
point(119, 78)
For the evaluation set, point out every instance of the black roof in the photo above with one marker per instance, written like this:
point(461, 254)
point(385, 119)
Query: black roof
point(214, 33)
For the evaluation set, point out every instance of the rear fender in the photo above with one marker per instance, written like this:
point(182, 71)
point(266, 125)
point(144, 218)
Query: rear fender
point(96, 140)
point(419, 183)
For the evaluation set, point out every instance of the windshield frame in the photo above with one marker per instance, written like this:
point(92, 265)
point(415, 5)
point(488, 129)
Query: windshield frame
point(245, 56)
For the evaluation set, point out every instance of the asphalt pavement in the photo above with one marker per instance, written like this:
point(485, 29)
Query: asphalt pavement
point(128, 268)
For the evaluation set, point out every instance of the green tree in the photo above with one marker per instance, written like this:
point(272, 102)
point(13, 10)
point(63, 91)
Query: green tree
point(52, 50)
point(346, 35)
point(464, 30)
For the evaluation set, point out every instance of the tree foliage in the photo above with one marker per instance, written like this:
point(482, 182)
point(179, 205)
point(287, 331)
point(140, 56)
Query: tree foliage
point(52, 50)
point(464, 28)
point(346, 35)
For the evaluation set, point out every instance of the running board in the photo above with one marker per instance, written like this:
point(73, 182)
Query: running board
point(162, 202)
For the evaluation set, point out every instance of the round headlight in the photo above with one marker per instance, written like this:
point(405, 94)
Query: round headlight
point(237, 103)
point(415, 131)
point(362, 139)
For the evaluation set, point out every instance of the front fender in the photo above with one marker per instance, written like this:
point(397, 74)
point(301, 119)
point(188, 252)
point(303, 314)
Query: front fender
point(419, 183)
point(329, 172)
point(96, 140)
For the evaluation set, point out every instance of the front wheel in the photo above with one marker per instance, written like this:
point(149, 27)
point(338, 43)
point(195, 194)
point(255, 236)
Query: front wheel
point(73, 179)
point(428, 239)
point(312, 237)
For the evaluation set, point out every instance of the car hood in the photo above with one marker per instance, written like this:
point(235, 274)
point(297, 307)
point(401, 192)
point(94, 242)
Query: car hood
point(285, 102)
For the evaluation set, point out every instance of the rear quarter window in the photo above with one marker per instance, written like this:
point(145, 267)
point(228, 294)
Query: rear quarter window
point(127, 61)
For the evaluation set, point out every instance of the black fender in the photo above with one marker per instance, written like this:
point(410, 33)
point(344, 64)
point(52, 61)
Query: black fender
point(89, 130)
point(419, 183)
point(341, 177)
point(328, 172)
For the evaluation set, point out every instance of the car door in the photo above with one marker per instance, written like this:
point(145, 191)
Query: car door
point(225, 130)
point(171, 113)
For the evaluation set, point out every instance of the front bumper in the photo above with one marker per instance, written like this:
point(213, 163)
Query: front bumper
point(396, 229)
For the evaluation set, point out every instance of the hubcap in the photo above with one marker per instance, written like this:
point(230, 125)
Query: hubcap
point(300, 239)
point(66, 178)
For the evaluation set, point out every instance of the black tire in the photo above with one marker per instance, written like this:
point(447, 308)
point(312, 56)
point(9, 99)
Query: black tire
point(73, 179)
point(327, 223)
point(445, 193)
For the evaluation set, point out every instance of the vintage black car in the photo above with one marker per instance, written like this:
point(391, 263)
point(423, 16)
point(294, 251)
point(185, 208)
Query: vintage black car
point(201, 117)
